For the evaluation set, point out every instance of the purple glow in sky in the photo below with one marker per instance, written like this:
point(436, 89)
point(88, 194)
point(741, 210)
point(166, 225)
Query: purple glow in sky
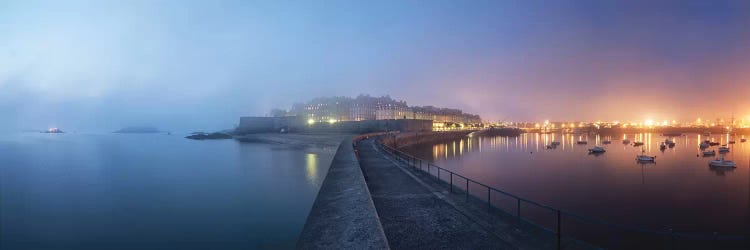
point(201, 64)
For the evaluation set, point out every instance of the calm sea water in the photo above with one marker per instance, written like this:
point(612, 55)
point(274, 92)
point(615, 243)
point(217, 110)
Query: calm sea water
point(680, 191)
point(118, 191)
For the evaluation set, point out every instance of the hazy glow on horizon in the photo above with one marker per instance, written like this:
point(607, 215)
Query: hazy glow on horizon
point(200, 65)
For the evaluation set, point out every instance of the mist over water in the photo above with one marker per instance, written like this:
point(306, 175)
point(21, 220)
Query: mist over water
point(125, 191)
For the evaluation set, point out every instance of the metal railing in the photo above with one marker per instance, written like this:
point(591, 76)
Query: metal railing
point(616, 235)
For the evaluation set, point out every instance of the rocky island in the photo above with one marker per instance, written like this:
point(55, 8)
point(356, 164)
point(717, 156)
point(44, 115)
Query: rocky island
point(211, 136)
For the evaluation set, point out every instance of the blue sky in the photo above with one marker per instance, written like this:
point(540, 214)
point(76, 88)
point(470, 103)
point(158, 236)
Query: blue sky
point(192, 65)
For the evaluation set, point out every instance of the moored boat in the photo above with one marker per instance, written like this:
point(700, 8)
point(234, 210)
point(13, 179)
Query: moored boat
point(743, 140)
point(704, 145)
point(636, 144)
point(606, 142)
point(582, 142)
point(555, 143)
point(625, 141)
point(709, 153)
point(723, 150)
point(645, 158)
point(722, 163)
point(597, 149)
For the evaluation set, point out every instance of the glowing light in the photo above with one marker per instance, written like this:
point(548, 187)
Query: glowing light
point(649, 122)
point(546, 122)
point(310, 121)
point(332, 121)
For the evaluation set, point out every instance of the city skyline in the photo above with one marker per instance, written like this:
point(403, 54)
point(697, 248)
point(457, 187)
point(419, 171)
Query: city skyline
point(190, 64)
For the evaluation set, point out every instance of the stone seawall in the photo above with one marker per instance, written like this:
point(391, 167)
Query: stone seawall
point(343, 215)
point(400, 140)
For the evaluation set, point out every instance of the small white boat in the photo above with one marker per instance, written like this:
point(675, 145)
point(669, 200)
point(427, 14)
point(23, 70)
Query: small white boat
point(709, 153)
point(606, 142)
point(723, 150)
point(597, 149)
point(722, 163)
point(645, 158)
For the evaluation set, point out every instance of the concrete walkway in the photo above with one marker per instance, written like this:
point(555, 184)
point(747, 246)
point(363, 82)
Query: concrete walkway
point(414, 216)
point(417, 211)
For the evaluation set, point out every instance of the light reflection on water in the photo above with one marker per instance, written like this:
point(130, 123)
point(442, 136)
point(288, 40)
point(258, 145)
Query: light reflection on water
point(679, 191)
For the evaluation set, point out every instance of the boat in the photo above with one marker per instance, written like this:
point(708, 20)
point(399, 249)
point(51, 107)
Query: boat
point(597, 149)
point(713, 143)
point(743, 140)
point(662, 146)
point(606, 142)
point(550, 146)
point(625, 141)
point(731, 142)
point(582, 142)
point(723, 150)
point(722, 163)
point(555, 143)
point(645, 158)
point(704, 145)
point(709, 153)
point(53, 131)
point(636, 144)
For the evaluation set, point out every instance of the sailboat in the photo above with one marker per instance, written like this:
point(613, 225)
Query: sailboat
point(722, 163)
point(645, 158)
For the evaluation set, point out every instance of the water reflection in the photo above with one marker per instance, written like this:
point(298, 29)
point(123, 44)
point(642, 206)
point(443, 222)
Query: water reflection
point(611, 185)
point(311, 167)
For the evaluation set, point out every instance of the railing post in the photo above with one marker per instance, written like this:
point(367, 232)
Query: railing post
point(451, 182)
point(428, 168)
point(559, 231)
point(438, 169)
point(518, 210)
point(467, 189)
point(489, 202)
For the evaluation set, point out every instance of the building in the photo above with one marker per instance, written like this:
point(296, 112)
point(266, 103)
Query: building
point(365, 107)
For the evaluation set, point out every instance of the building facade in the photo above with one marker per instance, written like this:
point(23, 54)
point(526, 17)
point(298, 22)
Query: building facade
point(365, 107)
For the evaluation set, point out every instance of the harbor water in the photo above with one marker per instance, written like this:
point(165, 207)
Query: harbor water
point(153, 191)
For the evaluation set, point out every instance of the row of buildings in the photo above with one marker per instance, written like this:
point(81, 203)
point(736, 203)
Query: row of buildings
point(365, 107)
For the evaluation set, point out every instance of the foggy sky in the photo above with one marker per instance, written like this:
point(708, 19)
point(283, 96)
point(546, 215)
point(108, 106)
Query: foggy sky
point(192, 65)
